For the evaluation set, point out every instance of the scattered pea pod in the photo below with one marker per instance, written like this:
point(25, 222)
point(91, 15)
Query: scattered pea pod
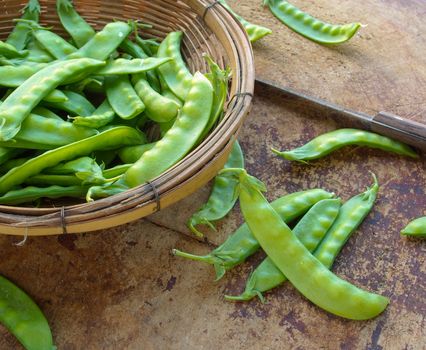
point(23, 318)
point(222, 198)
point(242, 244)
point(331, 141)
point(416, 228)
point(304, 271)
point(22, 100)
point(310, 230)
point(310, 27)
point(255, 32)
point(20, 35)
point(109, 139)
point(80, 31)
point(351, 215)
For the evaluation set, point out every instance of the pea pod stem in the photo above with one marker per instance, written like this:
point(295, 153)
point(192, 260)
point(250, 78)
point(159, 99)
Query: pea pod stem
point(416, 228)
point(304, 271)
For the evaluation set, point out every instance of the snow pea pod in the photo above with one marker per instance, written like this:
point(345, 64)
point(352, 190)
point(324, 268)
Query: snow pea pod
point(310, 27)
point(20, 35)
point(102, 116)
point(132, 154)
point(10, 51)
point(105, 42)
point(110, 139)
point(79, 30)
point(37, 53)
point(304, 271)
point(47, 113)
point(179, 140)
point(56, 96)
point(351, 215)
point(122, 97)
point(76, 104)
point(255, 32)
point(23, 318)
point(44, 180)
point(242, 244)
point(158, 108)
point(14, 76)
point(134, 66)
point(416, 228)
point(33, 193)
point(222, 198)
point(116, 171)
point(22, 100)
point(175, 73)
point(331, 141)
point(310, 230)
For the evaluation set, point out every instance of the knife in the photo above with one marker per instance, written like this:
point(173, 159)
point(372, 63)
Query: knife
point(384, 123)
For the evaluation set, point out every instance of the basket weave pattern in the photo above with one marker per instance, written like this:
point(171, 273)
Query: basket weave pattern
point(208, 28)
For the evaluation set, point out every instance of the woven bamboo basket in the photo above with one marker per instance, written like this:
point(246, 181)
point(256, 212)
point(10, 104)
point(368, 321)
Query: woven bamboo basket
point(208, 28)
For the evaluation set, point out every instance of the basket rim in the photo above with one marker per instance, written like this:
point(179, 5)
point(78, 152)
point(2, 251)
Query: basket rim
point(224, 25)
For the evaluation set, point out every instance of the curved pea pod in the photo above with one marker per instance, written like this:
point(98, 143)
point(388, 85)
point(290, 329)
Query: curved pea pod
point(76, 104)
point(44, 180)
point(47, 113)
point(310, 27)
point(14, 76)
point(113, 138)
point(37, 53)
point(122, 97)
point(22, 100)
point(116, 171)
point(105, 42)
point(331, 141)
point(50, 132)
point(222, 198)
point(180, 139)
point(255, 32)
point(304, 271)
point(416, 228)
point(175, 73)
point(102, 116)
point(9, 51)
point(133, 66)
point(219, 79)
point(310, 230)
point(33, 193)
point(351, 215)
point(56, 96)
point(79, 30)
point(158, 108)
point(132, 154)
point(20, 34)
point(242, 244)
point(23, 318)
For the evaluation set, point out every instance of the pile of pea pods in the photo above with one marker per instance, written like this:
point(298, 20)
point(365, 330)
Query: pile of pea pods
point(76, 112)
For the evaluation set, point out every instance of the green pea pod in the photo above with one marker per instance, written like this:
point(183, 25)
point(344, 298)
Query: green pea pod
point(116, 171)
point(310, 230)
point(222, 198)
point(255, 32)
point(23, 318)
point(56, 96)
point(7, 153)
point(132, 154)
point(46, 180)
point(9, 51)
point(37, 54)
point(12, 163)
point(304, 271)
point(110, 139)
point(14, 76)
point(76, 104)
point(158, 108)
point(133, 66)
point(351, 215)
point(20, 35)
point(175, 73)
point(32, 193)
point(102, 116)
point(416, 228)
point(81, 32)
point(122, 97)
point(47, 113)
point(22, 100)
point(105, 42)
point(242, 244)
point(331, 141)
point(310, 27)
point(180, 139)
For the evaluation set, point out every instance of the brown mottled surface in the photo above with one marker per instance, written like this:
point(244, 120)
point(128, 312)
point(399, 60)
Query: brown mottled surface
point(121, 288)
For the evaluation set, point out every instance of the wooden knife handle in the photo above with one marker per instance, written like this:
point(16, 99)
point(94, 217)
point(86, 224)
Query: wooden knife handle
point(407, 131)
